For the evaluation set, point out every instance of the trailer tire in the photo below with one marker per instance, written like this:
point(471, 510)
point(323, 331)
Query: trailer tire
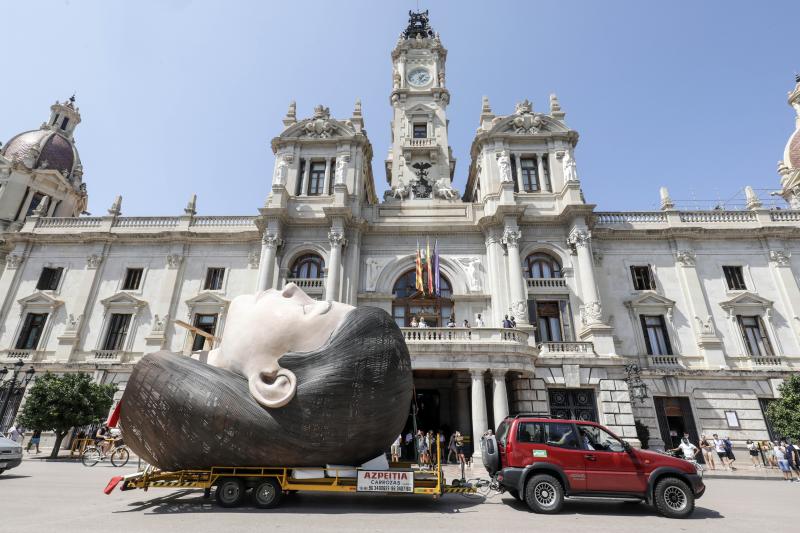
point(267, 494)
point(230, 492)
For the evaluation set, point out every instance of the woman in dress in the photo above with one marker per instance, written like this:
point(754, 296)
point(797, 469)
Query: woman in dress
point(708, 452)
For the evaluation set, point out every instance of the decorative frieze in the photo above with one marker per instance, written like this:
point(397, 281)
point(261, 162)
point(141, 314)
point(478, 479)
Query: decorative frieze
point(174, 261)
point(13, 261)
point(93, 261)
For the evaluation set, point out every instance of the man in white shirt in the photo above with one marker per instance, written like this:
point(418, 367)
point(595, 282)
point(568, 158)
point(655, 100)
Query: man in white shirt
point(15, 434)
point(688, 449)
point(479, 322)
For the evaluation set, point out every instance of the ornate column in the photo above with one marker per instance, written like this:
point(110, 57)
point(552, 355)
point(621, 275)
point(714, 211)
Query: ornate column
point(499, 396)
point(479, 423)
point(327, 176)
point(337, 240)
point(496, 270)
point(540, 168)
point(519, 296)
point(306, 175)
point(518, 164)
point(266, 266)
point(591, 311)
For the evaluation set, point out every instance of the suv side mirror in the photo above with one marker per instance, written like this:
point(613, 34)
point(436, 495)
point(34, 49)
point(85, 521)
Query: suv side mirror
point(626, 445)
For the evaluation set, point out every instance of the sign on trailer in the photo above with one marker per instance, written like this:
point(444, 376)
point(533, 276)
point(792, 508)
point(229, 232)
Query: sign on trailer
point(385, 481)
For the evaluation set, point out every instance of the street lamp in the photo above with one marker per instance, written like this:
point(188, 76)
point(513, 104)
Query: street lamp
point(13, 385)
point(636, 386)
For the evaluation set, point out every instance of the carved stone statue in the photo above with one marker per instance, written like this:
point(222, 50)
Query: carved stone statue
point(472, 267)
point(341, 163)
point(395, 79)
point(442, 189)
point(281, 172)
point(504, 164)
point(326, 383)
point(400, 191)
point(570, 168)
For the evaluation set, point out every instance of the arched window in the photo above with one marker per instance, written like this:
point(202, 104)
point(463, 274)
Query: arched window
point(308, 266)
point(409, 302)
point(540, 265)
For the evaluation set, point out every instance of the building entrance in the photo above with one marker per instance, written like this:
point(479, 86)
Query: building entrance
point(674, 419)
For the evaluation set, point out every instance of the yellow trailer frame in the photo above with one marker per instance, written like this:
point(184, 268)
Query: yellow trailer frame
point(426, 482)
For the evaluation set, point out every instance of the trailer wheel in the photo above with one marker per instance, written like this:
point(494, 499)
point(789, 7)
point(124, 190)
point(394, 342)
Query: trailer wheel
point(230, 492)
point(267, 494)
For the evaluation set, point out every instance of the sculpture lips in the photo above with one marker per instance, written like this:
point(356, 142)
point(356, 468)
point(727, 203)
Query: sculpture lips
point(352, 401)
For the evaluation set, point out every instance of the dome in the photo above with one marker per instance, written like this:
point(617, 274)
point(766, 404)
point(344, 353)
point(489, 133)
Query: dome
point(792, 156)
point(40, 149)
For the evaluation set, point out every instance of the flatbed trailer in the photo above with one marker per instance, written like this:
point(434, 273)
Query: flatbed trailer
point(269, 484)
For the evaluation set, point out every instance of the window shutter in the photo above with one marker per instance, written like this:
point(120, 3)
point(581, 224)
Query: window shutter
point(566, 323)
point(666, 334)
point(646, 335)
point(633, 277)
point(534, 320)
point(743, 332)
point(651, 280)
point(764, 337)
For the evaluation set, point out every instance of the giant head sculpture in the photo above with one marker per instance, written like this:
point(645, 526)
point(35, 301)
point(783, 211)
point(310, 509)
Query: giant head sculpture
point(294, 382)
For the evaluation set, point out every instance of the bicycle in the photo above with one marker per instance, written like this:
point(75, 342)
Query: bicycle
point(118, 454)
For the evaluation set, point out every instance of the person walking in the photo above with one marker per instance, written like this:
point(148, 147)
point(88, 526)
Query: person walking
point(451, 448)
point(783, 463)
point(708, 451)
point(752, 449)
point(15, 433)
point(769, 454)
point(35, 438)
point(729, 451)
point(719, 447)
point(422, 448)
point(459, 440)
point(793, 457)
point(409, 448)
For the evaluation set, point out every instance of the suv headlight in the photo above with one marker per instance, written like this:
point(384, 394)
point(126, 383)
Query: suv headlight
point(18, 449)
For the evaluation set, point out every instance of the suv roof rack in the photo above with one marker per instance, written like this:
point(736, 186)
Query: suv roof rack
point(531, 415)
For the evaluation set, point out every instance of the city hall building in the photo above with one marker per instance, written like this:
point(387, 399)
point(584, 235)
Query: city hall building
point(706, 304)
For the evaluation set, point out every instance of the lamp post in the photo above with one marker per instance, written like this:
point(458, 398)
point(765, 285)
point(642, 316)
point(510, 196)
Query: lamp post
point(636, 386)
point(13, 385)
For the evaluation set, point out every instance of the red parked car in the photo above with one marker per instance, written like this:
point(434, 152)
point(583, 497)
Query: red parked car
point(542, 460)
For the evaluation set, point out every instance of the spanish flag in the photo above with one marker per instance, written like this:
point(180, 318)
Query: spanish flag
point(418, 285)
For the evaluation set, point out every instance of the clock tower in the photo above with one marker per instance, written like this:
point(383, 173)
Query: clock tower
point(420, 164)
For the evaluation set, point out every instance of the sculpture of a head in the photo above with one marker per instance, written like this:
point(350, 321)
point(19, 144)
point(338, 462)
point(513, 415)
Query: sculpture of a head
point(261, 328)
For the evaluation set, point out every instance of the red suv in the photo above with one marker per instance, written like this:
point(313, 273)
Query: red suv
point(541, 460)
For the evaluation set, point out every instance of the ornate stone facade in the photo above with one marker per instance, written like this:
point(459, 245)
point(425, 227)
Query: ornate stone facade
point(590, 291)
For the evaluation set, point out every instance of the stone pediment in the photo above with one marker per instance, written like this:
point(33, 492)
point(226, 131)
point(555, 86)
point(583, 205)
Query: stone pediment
point(319, 128)
point(747, 299)
point(39, 300)
point(208, 299)
point(650, 299)
point(428, 109)
point(527, 124)
point(123, 299)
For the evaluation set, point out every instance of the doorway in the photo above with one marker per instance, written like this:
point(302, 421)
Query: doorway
point(674, 419)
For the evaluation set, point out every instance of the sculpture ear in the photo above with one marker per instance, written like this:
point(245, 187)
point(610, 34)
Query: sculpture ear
point(273, 388)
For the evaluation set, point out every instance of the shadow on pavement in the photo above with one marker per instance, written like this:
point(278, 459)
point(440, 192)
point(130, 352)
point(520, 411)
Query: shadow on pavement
point(192, 501)
point(613, 508)
point(11, 476)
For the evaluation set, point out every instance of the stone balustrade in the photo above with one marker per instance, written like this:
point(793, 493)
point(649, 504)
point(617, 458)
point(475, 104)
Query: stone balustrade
point(762, 362)
point(717, 216)
point(566, 348)
point(426, 142)
point(648, 219)
point(464, 335)
point(157, 223)
point(224, 221)
point(69, 222)
point(546, 283)
point(18, 355)
point(605, 219)
point(308, 283)
point(664, 361)
point(108, 356)
point(145, 222)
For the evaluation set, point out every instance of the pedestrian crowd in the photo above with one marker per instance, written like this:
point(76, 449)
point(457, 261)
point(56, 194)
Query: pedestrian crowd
point(422, 448)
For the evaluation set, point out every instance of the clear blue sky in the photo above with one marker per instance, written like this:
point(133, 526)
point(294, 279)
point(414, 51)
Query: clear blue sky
point(182, 97)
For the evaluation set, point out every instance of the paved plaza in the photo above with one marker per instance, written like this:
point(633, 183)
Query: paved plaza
point(40, 495)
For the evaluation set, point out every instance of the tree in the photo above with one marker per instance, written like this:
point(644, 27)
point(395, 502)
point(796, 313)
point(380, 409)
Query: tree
point(784, 413)
point(643, 434)
point(58, 403)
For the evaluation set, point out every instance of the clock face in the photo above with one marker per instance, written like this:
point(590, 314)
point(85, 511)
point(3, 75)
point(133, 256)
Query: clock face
point(419, 77)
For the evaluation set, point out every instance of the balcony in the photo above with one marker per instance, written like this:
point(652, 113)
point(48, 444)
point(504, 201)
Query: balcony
point(424, 142)
point(15, 355)
point(760, 363)
point(308, 284)
point(465, 336)
point(546, 283)
point(107, 356)
point(665, 361)
point(569, 348)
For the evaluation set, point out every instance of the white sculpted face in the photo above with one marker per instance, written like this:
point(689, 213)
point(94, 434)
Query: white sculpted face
point(261, 328)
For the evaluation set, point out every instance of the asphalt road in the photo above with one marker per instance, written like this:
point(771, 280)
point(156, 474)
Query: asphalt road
point(65, 496)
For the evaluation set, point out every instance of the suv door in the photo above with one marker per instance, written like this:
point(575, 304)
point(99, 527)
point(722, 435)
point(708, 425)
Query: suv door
point(609, 466)
point(554, 443)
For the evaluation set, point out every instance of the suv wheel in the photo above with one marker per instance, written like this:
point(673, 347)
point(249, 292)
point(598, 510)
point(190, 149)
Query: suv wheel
point(544, 494)
point(674, 498)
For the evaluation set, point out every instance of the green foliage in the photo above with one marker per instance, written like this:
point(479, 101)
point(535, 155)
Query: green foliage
point(643, 434)
point(784, 413)
point(58, 403)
